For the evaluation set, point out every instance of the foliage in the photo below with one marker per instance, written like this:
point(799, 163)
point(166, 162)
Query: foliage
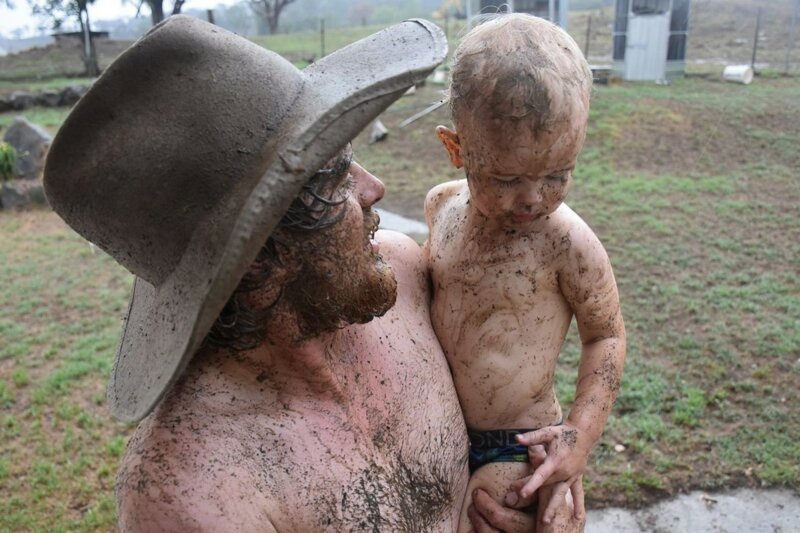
point(8, 161)
point(270, 12)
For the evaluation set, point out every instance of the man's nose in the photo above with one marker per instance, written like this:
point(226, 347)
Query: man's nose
point(369, 188)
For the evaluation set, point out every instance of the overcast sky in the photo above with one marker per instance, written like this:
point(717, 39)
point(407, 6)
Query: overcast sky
point(20, 16)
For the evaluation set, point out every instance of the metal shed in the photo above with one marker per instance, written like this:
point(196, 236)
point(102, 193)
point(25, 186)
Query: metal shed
point(650, 39)
point(552, 10)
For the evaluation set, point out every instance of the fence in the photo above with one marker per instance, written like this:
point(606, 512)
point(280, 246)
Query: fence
point(721, 32)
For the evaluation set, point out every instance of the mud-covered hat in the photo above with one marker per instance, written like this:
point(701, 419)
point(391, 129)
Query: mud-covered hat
point(184, 155)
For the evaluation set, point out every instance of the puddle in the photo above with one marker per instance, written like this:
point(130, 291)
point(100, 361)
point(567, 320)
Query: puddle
point(742, 510)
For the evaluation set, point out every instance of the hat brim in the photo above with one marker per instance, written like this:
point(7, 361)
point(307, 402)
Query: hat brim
point(166, 324)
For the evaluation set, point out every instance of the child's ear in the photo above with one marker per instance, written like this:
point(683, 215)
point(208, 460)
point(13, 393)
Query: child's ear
point(451, 143)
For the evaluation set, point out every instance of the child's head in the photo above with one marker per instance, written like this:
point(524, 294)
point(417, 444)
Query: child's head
point(519, 99)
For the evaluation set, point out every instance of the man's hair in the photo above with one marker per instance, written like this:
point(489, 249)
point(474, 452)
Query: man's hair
point(517, 67)
point(241, 326)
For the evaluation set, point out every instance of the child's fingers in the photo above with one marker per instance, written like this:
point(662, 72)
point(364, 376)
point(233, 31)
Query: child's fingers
point(536, 455)
point(577, 498)
point(539, 476)
point(557, 499)
point(539, 436)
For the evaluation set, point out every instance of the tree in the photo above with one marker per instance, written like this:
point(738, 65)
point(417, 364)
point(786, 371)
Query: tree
point(270, 11)
point(157, 9)
point(60, 10)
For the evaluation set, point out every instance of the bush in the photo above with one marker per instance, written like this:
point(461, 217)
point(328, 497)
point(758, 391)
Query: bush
point(8, 161)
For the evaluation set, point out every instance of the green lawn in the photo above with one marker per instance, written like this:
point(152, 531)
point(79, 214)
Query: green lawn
point(693, 189)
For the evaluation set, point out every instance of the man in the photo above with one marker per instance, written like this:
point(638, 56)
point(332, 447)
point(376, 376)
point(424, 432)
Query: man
point(214, 171)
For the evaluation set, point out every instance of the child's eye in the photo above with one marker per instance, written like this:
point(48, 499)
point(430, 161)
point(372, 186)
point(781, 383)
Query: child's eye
point(505, 182)
point(560, 177)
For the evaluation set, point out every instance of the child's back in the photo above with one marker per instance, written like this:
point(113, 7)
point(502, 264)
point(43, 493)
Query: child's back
point(511, 264)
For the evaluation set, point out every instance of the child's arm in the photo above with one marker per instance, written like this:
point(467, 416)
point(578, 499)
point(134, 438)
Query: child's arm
point(587, 283)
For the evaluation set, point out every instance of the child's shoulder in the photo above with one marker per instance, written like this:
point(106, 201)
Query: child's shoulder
point(438, 196)
point(581, 242)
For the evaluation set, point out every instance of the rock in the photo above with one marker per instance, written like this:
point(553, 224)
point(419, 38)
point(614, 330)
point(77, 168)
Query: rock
point(71, 94)
point(21, 100)
point(378, 133)
point(5, 105)
point(16, 194)
point(31, 143)
point(48, 98)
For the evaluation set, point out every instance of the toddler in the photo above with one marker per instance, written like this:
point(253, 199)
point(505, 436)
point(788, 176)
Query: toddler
point(511, 265)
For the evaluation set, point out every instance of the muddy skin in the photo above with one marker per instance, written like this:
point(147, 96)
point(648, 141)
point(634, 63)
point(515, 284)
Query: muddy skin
point(511, 264)
point(355, 429)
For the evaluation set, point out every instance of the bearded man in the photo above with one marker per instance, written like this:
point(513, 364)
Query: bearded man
point(214, 171)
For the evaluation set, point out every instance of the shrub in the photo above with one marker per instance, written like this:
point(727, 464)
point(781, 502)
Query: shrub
point(8, 161)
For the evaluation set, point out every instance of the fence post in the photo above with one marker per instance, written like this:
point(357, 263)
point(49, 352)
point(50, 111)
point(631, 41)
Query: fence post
point(588, 37)
point(755, 40)
point(321, 38)
point(790, 42)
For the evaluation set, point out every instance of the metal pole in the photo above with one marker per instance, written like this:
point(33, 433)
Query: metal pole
point(468, 9)
point(792, 29)
point(755, 40)
point(552, 7)
point(588, 36)
point(563, 11)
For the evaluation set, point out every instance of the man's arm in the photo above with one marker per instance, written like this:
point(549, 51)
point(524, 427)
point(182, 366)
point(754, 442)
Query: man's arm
point(587, 283)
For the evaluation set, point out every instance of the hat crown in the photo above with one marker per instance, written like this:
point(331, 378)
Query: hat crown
point(199, 120)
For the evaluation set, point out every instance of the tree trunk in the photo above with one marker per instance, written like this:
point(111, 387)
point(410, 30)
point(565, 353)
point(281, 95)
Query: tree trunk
point(89, 52)
point(156, 11)
point(176, 9)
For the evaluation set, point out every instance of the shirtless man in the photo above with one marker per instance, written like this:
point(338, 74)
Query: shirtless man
point(512, 264)
point(271, 399)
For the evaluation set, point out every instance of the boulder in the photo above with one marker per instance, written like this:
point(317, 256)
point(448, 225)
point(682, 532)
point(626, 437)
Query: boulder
point(71, 94)
point(31, 143)
point(5, 105)
point(49, 98)
point(16, 194)
point(378, 133)
point(21, 100)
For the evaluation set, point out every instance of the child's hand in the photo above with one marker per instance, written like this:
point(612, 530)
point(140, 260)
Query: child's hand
point(567, 451)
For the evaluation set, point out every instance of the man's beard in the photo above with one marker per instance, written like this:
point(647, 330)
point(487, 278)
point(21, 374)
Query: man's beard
point(337, 286)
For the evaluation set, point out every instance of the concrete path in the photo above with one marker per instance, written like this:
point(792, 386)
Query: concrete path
point(743, 510)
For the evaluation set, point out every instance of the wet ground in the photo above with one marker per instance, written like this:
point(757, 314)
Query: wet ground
point(742, 510)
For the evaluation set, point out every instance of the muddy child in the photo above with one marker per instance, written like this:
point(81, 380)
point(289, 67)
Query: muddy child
point(512, 264)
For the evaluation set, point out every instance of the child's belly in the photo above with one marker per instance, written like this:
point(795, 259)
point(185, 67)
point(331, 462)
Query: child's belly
point(503, 360)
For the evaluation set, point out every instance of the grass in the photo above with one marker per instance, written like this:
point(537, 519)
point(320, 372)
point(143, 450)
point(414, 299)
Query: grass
point(59, 448)
point(692, 189)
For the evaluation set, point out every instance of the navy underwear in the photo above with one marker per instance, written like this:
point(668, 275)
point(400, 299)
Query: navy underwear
point(495, 446)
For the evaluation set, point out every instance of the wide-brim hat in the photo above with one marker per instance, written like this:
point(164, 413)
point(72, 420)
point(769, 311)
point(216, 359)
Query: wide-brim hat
point(184, 155)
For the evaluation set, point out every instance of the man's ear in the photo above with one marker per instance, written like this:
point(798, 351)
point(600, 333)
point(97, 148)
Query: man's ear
point(451, 143)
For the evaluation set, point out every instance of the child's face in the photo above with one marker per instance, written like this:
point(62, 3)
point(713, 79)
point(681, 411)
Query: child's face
point(516, 177)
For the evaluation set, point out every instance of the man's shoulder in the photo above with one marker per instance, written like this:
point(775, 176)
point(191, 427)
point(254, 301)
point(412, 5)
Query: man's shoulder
point(407, 259)
point(175, 477)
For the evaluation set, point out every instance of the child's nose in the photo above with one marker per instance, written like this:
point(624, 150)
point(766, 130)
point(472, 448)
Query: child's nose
point(369, 188)
point(530, 195)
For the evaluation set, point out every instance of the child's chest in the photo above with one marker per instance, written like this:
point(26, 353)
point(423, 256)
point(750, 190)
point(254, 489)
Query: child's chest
point(510, 269)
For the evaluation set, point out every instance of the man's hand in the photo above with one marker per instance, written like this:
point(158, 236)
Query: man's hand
point(488, 516)
point(567, 451)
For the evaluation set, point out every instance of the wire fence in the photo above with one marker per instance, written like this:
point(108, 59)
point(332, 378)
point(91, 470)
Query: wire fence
point(721, 32)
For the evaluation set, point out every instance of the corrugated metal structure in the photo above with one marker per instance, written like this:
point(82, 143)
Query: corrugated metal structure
point(650, 39)
point(552, 10)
